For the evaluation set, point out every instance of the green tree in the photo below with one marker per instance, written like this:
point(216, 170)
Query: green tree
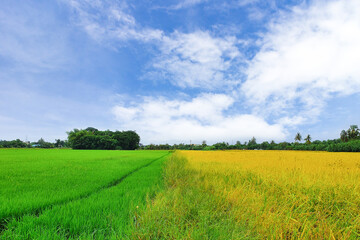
point(308, 139)
point(91, 129)
point(252, 141)
point(59, 143)
point(221, 146)
point(91, 138)
point(252, 144)
point(265, 145)
point(41, 143)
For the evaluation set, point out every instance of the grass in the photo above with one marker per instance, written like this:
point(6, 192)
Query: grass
point(187, 209)
point(58, 194)
point(67, 194)
point(256, 195)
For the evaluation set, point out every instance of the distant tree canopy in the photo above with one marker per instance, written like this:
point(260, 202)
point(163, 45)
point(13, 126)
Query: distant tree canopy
point(92, 138)
point(41, 143)
point(349, 142)
point(13, 144)
point(352, 133)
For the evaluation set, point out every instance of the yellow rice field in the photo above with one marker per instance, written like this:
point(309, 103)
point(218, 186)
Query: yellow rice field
point(284, 194)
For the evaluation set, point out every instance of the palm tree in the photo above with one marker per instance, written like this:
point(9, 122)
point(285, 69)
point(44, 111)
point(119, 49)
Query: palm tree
point(298, 137)
point(252, 141)
point(353, 132)
point(308, 139)
point(344, 136)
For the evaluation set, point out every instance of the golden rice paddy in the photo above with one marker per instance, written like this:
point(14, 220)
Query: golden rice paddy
point(286, 194)
point(256, 195)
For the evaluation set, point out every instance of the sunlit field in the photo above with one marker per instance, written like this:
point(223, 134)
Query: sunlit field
point(94, 194)
point(62, 194)
point(257, 195)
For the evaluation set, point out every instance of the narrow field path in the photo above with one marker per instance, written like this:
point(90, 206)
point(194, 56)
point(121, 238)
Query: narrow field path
point(38, 211)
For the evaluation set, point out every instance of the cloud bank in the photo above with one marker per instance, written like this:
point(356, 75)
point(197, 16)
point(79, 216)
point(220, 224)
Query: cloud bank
point(308, 56)
point(159, 120)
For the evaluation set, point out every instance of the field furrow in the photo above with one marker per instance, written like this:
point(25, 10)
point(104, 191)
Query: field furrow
point(34, 180)
point(105, 213)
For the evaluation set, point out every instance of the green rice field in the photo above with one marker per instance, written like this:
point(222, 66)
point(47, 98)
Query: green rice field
point(70, 194)
point(99, 194)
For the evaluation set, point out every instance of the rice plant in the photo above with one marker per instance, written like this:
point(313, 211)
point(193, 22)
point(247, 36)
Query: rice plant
point(257, 195)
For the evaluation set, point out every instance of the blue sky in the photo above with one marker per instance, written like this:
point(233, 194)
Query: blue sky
point(181, 70)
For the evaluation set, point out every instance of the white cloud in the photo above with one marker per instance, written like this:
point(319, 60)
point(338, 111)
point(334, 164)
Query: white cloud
point(256, 14)
point(198, 60)
point(306, 57)
point(195, 59)
point(108, 20)
point(201, 118)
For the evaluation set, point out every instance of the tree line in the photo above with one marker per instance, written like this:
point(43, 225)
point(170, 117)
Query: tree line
point(41, 143)
point(92, 138)
point(349, 141)
point(89, 138)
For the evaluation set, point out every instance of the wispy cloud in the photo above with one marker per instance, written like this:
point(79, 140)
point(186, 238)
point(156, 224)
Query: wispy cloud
point(195, 60)
point(308, 55)
point(204, 117)
point(255, 10)
point(107, 21)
